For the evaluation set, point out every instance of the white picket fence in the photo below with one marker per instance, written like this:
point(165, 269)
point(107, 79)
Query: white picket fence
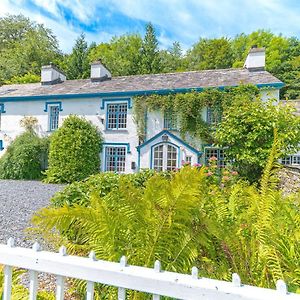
point(153, 281)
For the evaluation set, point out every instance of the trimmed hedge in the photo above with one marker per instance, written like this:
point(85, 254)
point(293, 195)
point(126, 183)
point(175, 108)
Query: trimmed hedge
point(25, 157)
point(74, 151)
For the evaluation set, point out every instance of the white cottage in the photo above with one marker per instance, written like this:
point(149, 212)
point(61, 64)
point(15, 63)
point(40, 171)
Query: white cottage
point(108, 103)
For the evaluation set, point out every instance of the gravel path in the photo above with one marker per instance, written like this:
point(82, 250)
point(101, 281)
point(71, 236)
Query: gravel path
point(18, 202)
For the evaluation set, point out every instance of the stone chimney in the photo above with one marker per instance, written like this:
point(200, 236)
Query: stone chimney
point(255, 60)
point(51, 75)
point(99, 72)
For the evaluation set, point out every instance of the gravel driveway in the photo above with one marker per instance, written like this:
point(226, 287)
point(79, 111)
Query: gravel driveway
point(18, 202)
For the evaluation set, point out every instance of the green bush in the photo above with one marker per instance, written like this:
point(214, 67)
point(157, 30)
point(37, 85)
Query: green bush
point(74, 151)
point(25, 158)
point(100, 184)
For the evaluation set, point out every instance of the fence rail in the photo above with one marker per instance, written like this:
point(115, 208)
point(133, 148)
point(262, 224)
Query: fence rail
point(123, 276)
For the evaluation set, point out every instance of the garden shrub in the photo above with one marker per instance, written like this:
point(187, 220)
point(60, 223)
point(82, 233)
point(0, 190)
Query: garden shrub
point(100, 184)
point(25, 157)
point(74, 151)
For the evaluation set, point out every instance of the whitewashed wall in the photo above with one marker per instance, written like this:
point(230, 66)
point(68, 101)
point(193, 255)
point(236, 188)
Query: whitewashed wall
point(90, 108)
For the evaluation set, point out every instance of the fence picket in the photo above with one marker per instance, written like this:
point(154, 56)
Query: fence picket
point(8, 274)
point(60, 280)
point(90, 284)
point(157, 269)
point(122, 291)
point(33, 277)
point(7, 283)
point(195, 272)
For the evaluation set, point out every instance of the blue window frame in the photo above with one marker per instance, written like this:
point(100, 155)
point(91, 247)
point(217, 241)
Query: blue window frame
point(170, 120)
point(115, 159)
point(1, 145)
point(116, 116)
point(53, 117)
point(218, 153)
point(2, 110)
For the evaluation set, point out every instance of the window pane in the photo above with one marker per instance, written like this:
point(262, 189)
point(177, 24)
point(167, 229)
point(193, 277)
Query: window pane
point(115, 158)
point(117, 116)
point(219, 154)
point(54, 117)
point(158, 158)
point(170, 120)
point(171, 158)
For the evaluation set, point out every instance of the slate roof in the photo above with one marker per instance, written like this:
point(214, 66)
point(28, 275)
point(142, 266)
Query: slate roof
point(151, 82)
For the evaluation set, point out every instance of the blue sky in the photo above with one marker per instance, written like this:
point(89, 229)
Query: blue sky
point(174, 20)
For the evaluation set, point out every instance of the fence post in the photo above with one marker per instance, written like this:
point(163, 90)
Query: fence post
point(122, 291)
point(281, 287)
point(33, 276)
point(195, 272)
point(8, 274)
point(236, 280)
point(90, 285)
point(60, 280)
point(157, 269)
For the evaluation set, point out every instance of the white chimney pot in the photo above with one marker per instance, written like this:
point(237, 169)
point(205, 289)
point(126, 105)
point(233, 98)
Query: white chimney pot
point(256, 59)
point(51, 75)
point(99, 72)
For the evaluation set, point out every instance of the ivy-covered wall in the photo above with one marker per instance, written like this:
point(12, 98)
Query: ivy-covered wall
point(189, 109)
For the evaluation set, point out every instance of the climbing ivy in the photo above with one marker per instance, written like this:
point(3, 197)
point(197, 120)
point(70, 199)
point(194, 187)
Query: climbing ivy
point(188, 108)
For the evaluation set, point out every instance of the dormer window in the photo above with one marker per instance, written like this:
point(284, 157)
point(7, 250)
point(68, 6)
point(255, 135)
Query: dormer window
point(117, 116)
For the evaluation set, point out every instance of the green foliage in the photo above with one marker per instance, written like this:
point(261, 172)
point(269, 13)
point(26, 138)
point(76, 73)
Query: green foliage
point(188, 108)
point(100, 184)
point(24, 47)
point(150, 60)
point(26, 78)
point(247, 130)
point(25, 157)
point(76, 65)
point(121, 55)
point(74, 151)
point(171, 59)
point(210, 54)
point(188, 219)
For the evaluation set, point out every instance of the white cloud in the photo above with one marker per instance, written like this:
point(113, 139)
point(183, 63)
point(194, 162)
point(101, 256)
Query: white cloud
point(180, 20)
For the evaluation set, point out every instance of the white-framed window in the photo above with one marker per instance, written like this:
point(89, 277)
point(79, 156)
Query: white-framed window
point(53, 117)
point(165, 157)
point(218, 153)
point(188, 159)
point(115, 159)
point(116, 116)
point(170, 120)
point(291, 160)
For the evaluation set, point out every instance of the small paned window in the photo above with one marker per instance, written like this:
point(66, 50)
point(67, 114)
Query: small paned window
point(170, 120)
point(117, 116)
point(115, 159)
point(158, 158)
point(171, 158)
point(53, 117)
point(165, 157)
point(213, 116)
point(188, 159)
point(291, 160)
point(218, 153)
point(1, 145)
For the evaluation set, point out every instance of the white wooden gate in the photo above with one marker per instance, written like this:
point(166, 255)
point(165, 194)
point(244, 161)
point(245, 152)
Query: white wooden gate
point(121, 275)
